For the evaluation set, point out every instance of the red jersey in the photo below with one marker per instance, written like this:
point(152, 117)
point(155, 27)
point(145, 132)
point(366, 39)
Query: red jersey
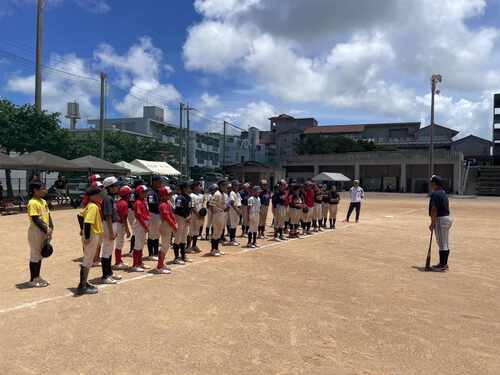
point(167, 214)
point(141, 212)
point(309, 198)
point(122, 209)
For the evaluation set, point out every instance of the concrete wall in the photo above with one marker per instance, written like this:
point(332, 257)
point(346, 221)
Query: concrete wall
point(472, 146)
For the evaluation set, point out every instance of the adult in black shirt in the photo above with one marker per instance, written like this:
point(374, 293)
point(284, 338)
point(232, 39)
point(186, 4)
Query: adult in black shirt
point(441, 222)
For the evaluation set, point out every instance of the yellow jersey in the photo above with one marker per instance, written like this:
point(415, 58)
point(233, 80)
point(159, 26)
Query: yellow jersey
point(92, 216)
point(39, 207)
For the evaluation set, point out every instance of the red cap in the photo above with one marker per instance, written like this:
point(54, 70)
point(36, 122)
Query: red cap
point(124, 191)
point(141, 189)
point(165, 190)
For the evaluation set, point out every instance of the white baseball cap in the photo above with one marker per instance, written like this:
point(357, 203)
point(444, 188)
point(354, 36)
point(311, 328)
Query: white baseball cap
point(110, 181)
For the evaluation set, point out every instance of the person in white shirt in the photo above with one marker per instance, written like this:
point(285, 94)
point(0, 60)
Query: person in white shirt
point(253, 213)
point(357, 195)
point(234, 212)
point(197, 219)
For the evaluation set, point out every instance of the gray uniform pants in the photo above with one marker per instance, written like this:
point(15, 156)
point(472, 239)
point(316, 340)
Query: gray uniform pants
point(442, 231)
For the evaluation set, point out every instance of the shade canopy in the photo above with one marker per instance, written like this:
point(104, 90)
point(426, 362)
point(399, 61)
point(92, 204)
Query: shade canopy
point(96, 164)
point(332, 177)
point(44, 161)
point(7, 162)
point(160, 168)
point(135, 170)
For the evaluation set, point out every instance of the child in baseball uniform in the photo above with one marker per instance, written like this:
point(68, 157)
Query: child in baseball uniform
point(234, 212)
point(123, 229)
point(40, 229)
point(131, 214)
point(92, 231)
point(253, 213)
point(317, 210)
point(325, 206)
point(168, 226)
point(265, 198)
point(182, 211)
point(333, 200)
point(219, 209)
point(244, 194)
point(296, 211)
point(196, 219)
point(153, 199)
point(309, 204)
point(110, 223)
point(280, 206)
point(141, 227)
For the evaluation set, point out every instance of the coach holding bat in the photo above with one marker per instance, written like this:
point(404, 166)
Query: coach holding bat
point(439, 211)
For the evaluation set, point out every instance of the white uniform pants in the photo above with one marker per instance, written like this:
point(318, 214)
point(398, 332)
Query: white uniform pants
point(140, 236)
point(120, 236)
point(182, 230)
point(253, 223)
point(108, 244)
point(218, 224)
point(35, 240)
point(89, 249)
point(154, 227)
point(234, 218)
point(280, 217)
point(166, 236)
point(317, 212)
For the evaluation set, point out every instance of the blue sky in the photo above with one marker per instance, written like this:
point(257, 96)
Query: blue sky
point(245, 60)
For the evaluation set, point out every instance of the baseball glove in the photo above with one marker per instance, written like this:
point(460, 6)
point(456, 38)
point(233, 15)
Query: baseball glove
point(203, 212)
point(47, 249)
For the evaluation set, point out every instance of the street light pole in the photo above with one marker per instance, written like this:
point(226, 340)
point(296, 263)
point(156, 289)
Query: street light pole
point(102, 113)
point(435, 79)
point(38, 54)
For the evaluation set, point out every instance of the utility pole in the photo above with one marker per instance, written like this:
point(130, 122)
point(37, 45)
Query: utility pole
point(224, 146)
point(181, 112)
point(188, 138)
point(38, 54)
point(102, 113)
point(435, 79)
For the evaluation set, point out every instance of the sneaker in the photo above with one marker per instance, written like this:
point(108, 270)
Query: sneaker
point(137, 269)
point(189, 250)
point(120, 267)
point(179, 262)
point(38, 283)
point(187, 260)
point(320, 229)
point(221, 252)
point(215, 253)
point(248, 246)
point(299, 237)
point(255, 246)
point(145, 266)
point(108, 280)
point(116, 277)
point(196, 249)
point(276, 239)
point(235, 243)
point(163, 271)
point(282, 238)
point(43, 281)
point(86, 290)
point(152, 258)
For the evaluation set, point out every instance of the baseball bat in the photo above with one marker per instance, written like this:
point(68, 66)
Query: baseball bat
point(428, 260)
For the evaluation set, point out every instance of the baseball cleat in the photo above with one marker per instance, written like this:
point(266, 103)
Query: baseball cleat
point(38, 283)
point(137, 269)
point(179, 262)
point(162, 271)
point(215, 253)
point(116, 277)
point(121, 266)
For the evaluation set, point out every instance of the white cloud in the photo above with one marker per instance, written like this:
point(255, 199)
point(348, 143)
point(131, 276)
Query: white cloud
point(59, 88)
point(360, 55)
point(95, 6)
point(139, 69)
point(253, 114)
point(209, 101)
point(136, 73)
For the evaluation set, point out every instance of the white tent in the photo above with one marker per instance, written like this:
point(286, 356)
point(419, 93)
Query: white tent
point(135, 170)
point(160, 168)
point(333, 177)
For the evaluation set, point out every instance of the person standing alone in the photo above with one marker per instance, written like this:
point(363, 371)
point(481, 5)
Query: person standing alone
point(357, 194)
point(441, 222)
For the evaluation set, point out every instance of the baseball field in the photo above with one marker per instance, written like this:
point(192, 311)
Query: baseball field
point(349, 301)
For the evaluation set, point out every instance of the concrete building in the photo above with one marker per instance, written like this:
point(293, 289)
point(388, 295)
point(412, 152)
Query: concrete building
point(204, 149)
point(403, 170)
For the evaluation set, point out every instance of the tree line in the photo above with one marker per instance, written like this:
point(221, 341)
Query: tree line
point(24, 129)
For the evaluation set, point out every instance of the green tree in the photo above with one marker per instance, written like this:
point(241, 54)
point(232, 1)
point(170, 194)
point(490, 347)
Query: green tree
point(25, 129)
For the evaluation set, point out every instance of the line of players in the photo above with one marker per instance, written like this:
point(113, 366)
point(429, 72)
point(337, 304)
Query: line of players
point(160, 217)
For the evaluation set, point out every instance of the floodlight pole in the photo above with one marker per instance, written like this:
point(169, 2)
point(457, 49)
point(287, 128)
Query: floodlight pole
point(38, 54)
point(435, 79)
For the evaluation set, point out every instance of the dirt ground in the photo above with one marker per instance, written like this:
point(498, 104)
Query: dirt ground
point(349, 301)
